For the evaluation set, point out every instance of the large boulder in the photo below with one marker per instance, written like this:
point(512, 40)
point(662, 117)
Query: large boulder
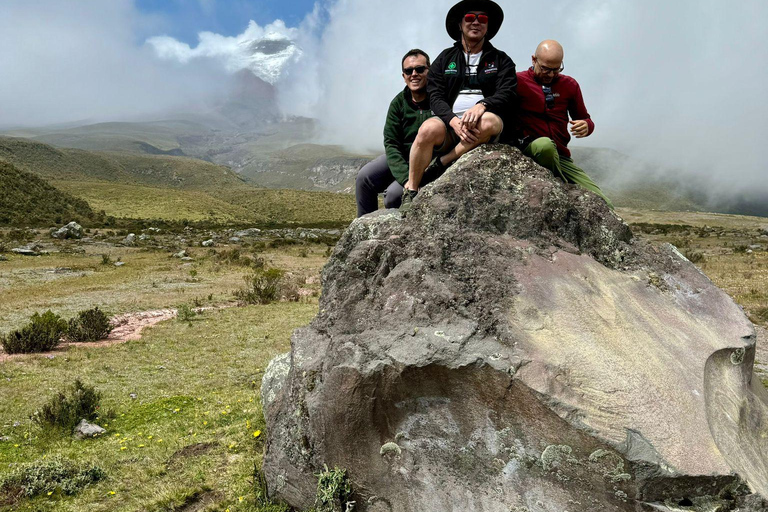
point(509, 346)
point(71, 230)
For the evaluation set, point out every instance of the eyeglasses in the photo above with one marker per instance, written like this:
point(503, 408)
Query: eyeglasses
point(470, 17)
point(553, 71)
point(418, 69)
point(549, 98)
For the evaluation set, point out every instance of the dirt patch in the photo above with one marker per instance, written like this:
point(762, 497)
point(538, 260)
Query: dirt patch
point(193, 450)
point(201, 502)
point(127, 327)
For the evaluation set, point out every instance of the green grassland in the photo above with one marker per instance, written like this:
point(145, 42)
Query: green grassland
point(188, 438)
point(168, 188)
point(78, 165)
point(242, 206)
point(150, 279)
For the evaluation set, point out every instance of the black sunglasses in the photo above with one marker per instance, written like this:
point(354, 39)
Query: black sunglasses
point(548, 96)
point(417, 69)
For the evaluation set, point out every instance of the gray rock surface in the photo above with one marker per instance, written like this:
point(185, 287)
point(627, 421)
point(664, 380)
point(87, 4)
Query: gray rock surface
point(208, 243)
point(71, 230)
point(28, 250)
point(129, 240)
point(85, 430)
point(248, 232)
point(510, 346)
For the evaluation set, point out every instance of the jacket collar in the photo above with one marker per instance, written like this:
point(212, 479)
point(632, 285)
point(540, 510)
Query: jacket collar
point(487, 46)
point(533, 77)
point(409, 98)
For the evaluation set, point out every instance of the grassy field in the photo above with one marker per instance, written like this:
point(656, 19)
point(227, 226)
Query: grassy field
point(243, 206)
point(194, 433)
point(188, 436)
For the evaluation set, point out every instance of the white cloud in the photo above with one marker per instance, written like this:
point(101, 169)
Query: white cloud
point(66, 61)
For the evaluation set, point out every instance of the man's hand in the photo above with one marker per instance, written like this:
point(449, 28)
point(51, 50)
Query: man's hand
point(467, 135)
point(472, 116)
point(579, 128)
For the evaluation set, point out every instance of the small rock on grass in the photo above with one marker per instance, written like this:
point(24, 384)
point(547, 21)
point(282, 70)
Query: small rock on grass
point(85, 430)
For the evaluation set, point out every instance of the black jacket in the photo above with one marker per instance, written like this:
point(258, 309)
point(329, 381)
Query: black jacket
point(496, 75)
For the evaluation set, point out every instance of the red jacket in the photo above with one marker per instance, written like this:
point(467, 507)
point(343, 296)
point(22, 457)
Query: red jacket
point(539, 121)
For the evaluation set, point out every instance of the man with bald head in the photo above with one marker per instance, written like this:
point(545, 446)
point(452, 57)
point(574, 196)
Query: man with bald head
point(549, 103)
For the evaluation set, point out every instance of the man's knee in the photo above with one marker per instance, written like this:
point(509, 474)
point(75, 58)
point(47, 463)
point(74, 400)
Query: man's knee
point(490, 125)
point(431, 132)
point(393, 195)
point(543, 147)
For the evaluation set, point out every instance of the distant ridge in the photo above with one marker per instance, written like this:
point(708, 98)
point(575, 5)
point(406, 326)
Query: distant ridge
point(150, 170)
point(28, 201)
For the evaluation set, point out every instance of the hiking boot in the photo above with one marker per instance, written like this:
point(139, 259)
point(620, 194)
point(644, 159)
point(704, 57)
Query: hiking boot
point(407, 201)
point(435, 169)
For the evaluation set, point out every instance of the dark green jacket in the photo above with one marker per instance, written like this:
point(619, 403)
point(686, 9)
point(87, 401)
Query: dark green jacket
point(403, 120)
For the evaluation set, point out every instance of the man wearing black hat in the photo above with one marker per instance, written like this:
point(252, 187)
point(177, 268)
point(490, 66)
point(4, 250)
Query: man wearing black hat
point(471, 88)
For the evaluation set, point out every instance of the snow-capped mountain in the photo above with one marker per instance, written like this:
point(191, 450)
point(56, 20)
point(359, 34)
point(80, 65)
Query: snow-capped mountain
point(265, 51)
point(268, 57)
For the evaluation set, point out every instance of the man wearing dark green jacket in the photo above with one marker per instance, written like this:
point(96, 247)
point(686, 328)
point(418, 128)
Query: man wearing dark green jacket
point(407, 111)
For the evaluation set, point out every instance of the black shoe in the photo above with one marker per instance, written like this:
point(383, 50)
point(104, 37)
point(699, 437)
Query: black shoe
point(407, 201)
point(435, 168)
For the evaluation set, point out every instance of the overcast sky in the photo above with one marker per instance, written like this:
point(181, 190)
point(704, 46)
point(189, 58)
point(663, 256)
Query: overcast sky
point(680, 82)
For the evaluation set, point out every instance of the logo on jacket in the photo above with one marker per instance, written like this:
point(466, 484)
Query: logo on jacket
point(451, 70)
point(491, 68)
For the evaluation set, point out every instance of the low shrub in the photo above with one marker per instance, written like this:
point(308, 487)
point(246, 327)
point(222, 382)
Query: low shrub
point(740, 249)
point(45, 476)
point(333, 490)
point(237, 257)
point(184, 313)
point(106, 259)
point(694, 256)
point(262, 286)
point(65, 410)
point(89, 325)
point(42, 333)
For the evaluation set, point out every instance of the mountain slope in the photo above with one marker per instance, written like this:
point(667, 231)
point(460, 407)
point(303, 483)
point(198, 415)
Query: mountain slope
point(27, 200)
point(151, 170)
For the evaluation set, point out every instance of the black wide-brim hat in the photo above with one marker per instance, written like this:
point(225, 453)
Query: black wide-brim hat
point(457, 12)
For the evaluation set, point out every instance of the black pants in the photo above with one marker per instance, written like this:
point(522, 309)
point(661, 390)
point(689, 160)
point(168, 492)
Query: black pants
point(375, 178)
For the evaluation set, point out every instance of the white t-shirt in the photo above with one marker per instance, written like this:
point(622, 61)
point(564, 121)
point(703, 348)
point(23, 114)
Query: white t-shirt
point(470, 93)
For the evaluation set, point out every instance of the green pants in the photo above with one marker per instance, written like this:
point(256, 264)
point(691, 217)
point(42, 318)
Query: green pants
point(544, 152)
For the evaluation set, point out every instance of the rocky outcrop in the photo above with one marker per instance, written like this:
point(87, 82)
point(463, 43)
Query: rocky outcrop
point(510, 347)
point(71, 230)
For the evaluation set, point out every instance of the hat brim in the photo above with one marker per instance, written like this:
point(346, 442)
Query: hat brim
point(457, 12)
